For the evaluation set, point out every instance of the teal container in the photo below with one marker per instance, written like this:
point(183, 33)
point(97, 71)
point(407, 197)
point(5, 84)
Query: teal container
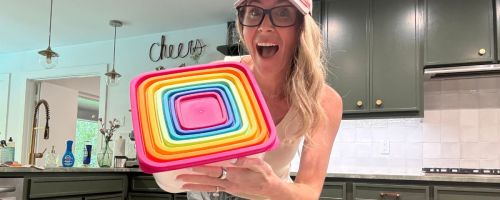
point(68, 159)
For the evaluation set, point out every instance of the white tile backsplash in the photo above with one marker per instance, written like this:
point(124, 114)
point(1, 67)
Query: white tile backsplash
point(431, 150)
point(469, 133)
point(450, 150)
point(461, 128)
point(488, 134)
point(489, 164)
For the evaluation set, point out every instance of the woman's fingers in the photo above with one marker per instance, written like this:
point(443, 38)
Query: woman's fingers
point(212, 171)
point(202, 179)
point(254, 164)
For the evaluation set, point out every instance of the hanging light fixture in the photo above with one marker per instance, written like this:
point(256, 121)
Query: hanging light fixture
point(49, 58)
point(113, 76)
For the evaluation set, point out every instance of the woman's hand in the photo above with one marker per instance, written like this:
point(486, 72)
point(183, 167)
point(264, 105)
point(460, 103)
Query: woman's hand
point(247, 176)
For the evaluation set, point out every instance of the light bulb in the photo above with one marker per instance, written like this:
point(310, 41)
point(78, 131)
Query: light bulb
point(113, 81)
point(48, 62)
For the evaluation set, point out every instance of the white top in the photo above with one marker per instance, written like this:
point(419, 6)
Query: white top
point(279, 159)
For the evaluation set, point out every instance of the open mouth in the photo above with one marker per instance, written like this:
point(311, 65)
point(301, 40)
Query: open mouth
point(267, 50)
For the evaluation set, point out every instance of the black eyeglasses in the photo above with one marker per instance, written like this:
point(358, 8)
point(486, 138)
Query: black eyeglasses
point(281, 16)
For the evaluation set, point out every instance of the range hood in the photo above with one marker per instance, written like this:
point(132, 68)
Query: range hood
point(462, 71)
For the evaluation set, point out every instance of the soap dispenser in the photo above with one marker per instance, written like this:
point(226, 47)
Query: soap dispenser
point(51, 159)
point(68, 160)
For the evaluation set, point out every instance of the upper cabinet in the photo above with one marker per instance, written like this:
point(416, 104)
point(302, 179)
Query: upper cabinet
point(316, 14)
point(459, 31)
point(373, 56)
point(347, 40)
point(394, 56)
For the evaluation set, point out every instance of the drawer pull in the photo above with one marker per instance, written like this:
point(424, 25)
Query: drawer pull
point(359, 104)
point(393, 195)
point(379, 102)
point(482, 52)
point(7, 189)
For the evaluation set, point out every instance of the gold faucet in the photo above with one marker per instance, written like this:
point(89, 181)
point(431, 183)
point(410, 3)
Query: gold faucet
point(33, 156)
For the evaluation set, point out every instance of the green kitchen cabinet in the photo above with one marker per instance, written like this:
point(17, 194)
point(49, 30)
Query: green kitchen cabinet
point(374, 54)
point(118, 196)
point(149, 196)
point(459, 31)
point(145, 187)
point(333, 191)
point(80, 187)
point(369, 191)
point(347, 40)
point(316, 14)
point(466, 193)
point(395, 59)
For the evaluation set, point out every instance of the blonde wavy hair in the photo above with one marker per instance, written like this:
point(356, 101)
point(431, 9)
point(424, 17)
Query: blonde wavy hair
point(306, 77)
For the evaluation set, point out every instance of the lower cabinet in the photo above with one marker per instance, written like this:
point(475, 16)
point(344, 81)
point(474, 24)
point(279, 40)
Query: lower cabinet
point(365, 191)
point(466, 193)
point(145, 187)
point(333, 190)
point(67, 187)
point(149, 196)
point(105, 197)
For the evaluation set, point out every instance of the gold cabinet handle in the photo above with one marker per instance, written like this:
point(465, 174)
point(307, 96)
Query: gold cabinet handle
point(482, 52)
point(359, 103)
point(392, 195)
point(379, 102)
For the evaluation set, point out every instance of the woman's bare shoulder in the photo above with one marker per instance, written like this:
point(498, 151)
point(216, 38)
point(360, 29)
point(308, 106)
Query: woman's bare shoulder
point(331, 102)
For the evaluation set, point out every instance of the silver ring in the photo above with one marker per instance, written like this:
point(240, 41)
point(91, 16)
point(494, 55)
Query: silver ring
point(223, 174)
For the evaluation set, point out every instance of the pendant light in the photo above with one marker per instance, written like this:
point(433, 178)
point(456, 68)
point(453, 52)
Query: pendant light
point(49, 58)
point(113, 76)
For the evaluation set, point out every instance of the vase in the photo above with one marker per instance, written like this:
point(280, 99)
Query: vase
point(105, 156)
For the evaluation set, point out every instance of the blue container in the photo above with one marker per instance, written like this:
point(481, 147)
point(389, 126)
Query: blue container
point(87, 154)
point(68, 160)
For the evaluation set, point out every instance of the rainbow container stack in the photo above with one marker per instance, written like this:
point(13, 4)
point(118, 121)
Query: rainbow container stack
point(190, 116)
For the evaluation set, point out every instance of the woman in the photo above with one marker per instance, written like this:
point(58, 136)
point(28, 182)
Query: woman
point(284, 44)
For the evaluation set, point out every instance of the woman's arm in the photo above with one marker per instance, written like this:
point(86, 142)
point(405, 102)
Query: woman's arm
point(253, 176)
point(315, 154)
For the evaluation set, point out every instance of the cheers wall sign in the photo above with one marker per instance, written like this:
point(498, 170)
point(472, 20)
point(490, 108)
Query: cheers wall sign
point(172, 51)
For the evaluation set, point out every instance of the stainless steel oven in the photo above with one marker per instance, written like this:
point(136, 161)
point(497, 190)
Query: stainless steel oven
point(11, 188)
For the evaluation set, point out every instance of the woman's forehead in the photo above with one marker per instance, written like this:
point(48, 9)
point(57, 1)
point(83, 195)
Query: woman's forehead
point(274, 2)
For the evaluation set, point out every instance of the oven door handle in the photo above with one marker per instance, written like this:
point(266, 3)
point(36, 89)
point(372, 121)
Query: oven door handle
point(7, 189)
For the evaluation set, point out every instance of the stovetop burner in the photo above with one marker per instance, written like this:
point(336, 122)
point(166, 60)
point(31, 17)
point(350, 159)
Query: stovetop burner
point(461, 171)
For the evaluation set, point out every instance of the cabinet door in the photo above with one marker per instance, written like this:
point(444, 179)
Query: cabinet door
point(346, 23)
point(365, 191)
point(394, 56)
point(50, 187)
point(105, 197)
point(316, 14)
point(456, 30)
point(332, 190)
point(149, 196)
point(461, 193)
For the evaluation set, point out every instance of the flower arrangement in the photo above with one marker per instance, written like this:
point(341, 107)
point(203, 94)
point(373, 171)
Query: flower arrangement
point(105, 157)
point(108, 133)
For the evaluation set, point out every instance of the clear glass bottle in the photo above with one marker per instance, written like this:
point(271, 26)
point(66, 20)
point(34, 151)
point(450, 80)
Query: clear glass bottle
point(51, 159)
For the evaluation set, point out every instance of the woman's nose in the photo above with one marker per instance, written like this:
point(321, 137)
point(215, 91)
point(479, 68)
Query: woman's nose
point(266, 24)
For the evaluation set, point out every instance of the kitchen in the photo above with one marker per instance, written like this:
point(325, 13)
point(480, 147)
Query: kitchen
point(385, 140)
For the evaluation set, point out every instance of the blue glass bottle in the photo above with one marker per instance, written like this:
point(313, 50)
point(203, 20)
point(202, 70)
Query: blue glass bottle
point(68, 160)
point(87, 152)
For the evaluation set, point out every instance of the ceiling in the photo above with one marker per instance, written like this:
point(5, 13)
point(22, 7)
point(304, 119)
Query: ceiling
point(25, 23)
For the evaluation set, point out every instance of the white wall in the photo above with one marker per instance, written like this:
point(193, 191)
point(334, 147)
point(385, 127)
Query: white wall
point(4, 100)
point(87, 85)
point(62, 118)
point(131, 59)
